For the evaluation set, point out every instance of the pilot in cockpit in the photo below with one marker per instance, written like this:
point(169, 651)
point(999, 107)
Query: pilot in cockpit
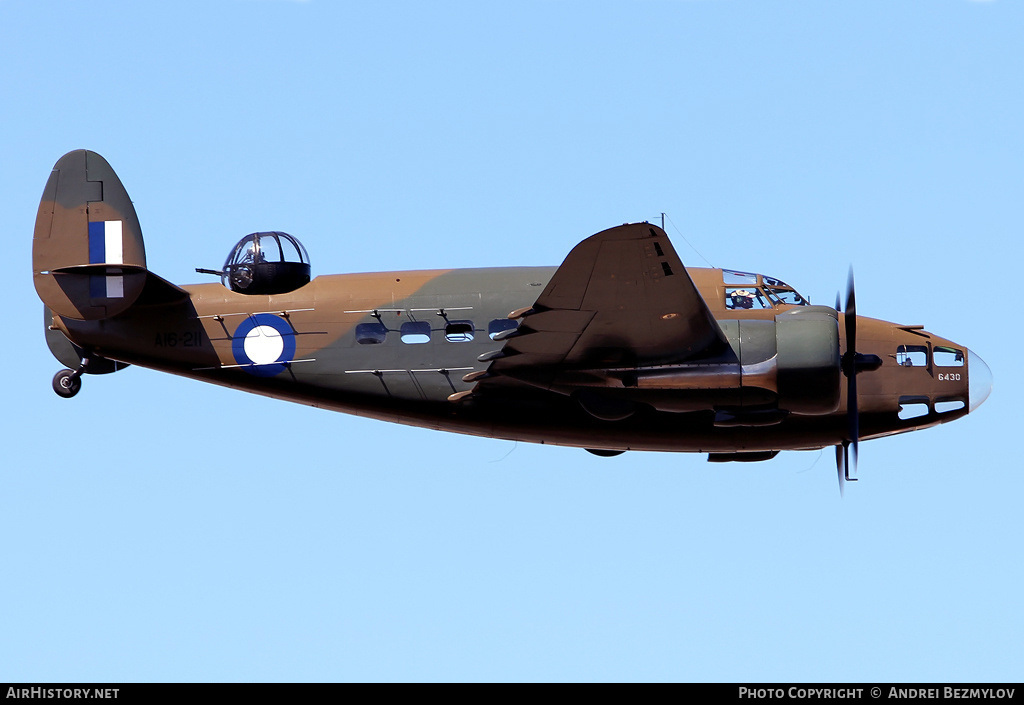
point(741, 298)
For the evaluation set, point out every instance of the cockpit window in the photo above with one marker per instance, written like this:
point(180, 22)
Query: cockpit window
point(733, 277)
point(745, 299)
point(772, 292)
point(782, 292)
point(785, 296)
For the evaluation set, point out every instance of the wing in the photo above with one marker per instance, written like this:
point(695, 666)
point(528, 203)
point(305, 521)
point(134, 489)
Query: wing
point(621, 299)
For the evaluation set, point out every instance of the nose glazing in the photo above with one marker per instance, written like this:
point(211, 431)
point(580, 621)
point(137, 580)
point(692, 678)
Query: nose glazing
point(979, 384)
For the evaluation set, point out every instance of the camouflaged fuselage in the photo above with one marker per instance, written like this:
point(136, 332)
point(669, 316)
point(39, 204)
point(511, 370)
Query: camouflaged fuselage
point(619, 348)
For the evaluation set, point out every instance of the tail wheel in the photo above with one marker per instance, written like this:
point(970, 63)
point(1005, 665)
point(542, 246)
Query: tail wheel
point(67, 383)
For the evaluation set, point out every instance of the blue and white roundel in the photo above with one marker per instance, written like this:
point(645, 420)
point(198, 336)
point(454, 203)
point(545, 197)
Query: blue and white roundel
point(263, 344)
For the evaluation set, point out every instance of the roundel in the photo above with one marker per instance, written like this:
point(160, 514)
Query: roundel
point(264, 344)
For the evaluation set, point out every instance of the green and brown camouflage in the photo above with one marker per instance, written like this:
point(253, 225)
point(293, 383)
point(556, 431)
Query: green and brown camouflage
point(619, 348)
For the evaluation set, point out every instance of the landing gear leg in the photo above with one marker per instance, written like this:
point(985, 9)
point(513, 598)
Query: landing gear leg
point(67, 382)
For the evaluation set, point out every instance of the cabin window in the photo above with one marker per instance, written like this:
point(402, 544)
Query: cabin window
point(745, 299)
point(459, 331)
point(500, 325)
point(371, 333)
point(944, 407)
point(415, 332)
point(948, 357)
point(912, 356)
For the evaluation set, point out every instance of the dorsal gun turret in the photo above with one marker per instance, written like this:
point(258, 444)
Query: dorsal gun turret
point(266, 263)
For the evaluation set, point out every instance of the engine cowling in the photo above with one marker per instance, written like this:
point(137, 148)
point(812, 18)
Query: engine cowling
point(790, 365)
point(808, 363)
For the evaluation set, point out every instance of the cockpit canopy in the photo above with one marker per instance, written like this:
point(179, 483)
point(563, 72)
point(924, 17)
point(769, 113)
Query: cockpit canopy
point(266, 263)
point(745, 290)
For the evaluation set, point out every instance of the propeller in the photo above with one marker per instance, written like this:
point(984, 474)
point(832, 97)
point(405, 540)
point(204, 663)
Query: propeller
point(852, 364)
point(841, 457)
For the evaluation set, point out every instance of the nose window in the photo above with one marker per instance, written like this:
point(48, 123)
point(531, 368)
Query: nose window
point(913, 407)
point(912, 356)
point(948, 357)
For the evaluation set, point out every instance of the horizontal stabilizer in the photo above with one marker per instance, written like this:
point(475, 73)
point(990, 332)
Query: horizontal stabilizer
point(108, 281)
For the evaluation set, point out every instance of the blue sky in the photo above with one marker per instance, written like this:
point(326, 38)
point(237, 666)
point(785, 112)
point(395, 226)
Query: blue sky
point(154, 528)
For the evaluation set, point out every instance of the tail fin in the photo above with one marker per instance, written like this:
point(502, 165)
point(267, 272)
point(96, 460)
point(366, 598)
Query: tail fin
point(88, 259)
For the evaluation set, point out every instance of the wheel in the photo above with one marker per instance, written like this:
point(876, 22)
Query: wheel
point(66, 383)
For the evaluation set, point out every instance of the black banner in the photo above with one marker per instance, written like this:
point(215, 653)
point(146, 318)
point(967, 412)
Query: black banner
point(747, 692)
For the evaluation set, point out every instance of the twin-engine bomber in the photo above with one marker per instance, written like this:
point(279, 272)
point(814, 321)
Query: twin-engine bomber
point(619, 348)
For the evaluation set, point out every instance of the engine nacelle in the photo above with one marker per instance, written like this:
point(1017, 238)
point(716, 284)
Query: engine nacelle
point(809, 360)
point(791, 363)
